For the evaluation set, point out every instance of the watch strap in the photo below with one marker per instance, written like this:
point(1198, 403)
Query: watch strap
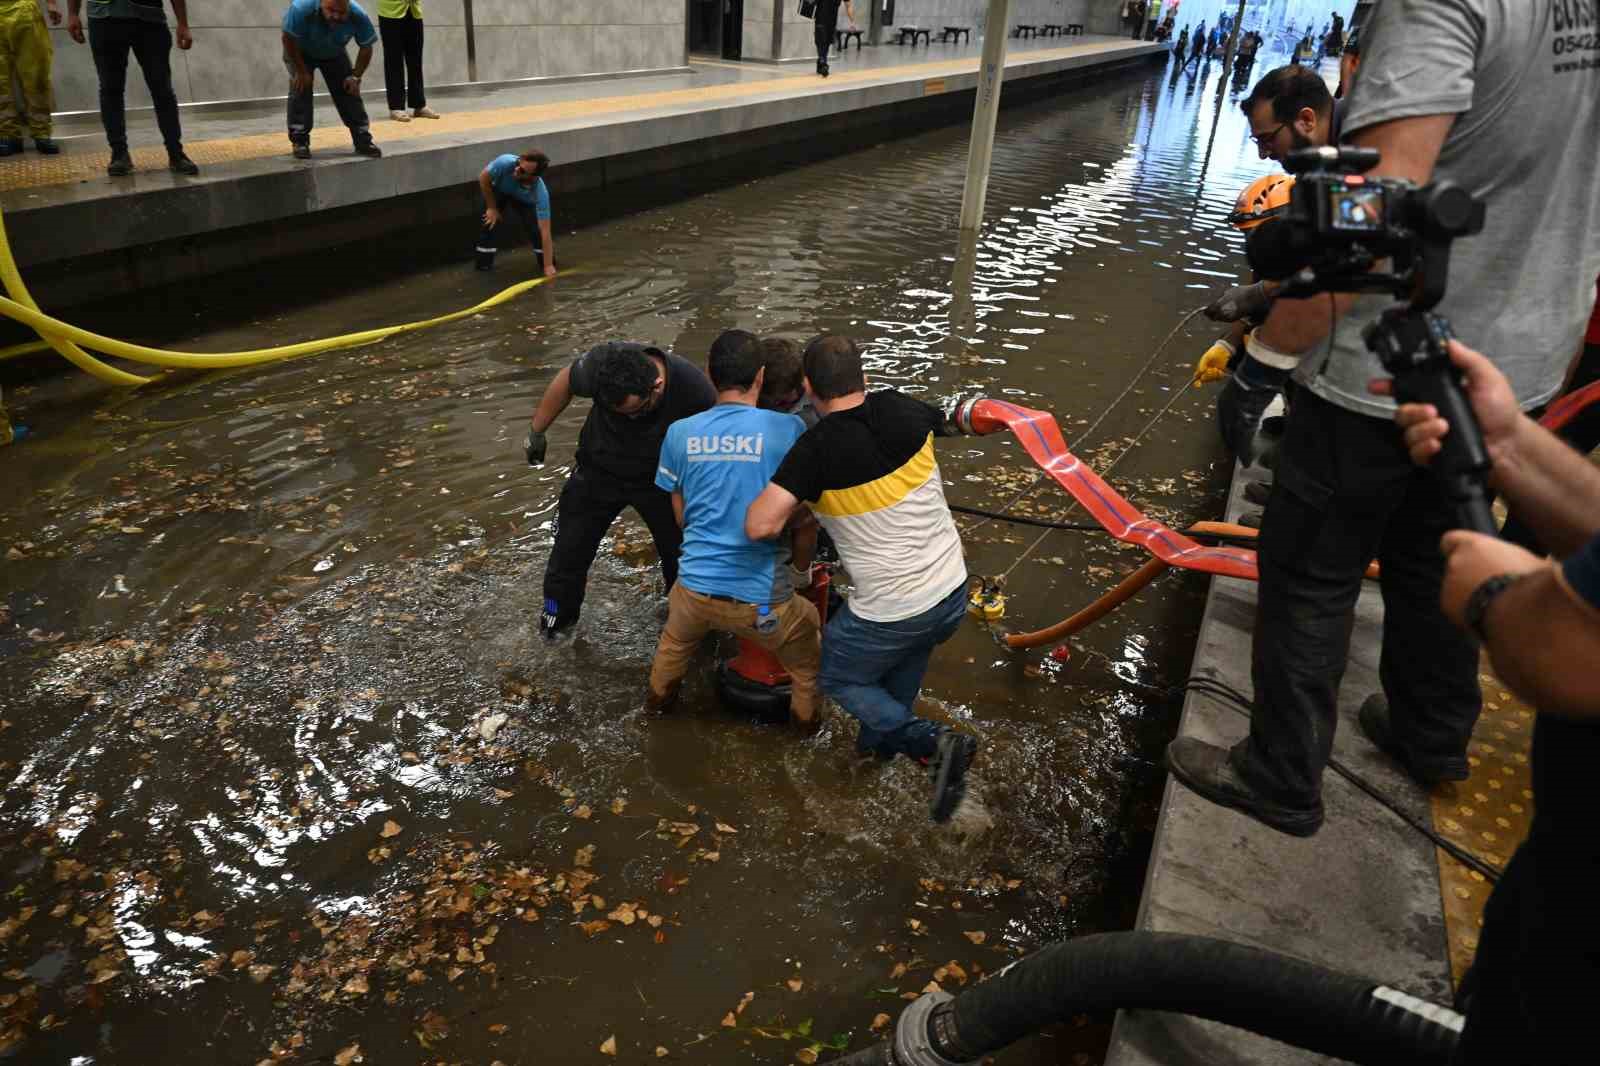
point(1482, 596)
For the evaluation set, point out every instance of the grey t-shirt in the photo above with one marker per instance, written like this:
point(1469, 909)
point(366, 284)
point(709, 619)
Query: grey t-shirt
point(1523, 79)
point(145, 10)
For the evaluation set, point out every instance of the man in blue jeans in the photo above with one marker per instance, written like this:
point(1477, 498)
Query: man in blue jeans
point(868, 471)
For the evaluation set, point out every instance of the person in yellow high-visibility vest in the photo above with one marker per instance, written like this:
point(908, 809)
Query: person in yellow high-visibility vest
point(400, 25)
point(26, 54)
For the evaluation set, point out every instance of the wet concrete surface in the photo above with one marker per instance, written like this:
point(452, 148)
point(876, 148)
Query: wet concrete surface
point(289, 777)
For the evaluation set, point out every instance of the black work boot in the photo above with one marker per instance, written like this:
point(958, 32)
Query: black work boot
point(121, 163)
point(951, 759)
point(182, 164)
point(368, 149)
point(1375, 723)
point(302, 149)
point(45, 145)
point(1207, 770)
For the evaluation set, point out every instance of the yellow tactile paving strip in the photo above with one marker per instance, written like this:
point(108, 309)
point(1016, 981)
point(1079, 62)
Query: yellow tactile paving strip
point(1488, 814)
point(32, 170)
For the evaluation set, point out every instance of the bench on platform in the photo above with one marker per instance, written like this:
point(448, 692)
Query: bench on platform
point(841, 39)
point(1073, 29)
point(1020, 31)
point(911, 33)
point(956, 33)
point(1049, 31)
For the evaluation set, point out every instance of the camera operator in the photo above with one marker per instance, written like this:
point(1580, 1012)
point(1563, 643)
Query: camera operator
point(1480, 92)
point(1539, 955)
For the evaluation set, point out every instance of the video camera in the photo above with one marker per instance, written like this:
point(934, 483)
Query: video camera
point(1346, 232)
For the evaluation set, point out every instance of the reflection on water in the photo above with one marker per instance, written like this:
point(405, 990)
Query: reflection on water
point(288, 772)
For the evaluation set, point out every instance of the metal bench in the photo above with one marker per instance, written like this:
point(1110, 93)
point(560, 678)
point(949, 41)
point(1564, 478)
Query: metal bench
point(1021, 30)
point(911, 33)
point(956, 32)
point(1073, 29)
point(1049, 31)
point(841, 39)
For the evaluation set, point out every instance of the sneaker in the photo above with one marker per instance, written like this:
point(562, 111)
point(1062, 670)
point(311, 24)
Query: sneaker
point(182, 164)
point(1256, 492)
point(553, 620)
point(950, 763)
point(425, 112)
point(45, 145)
point(11, 146)
point(1206, 770)
point(370, 150)
point(400, 116)
point(1374, 718)
point(121, 164)
point(302, 151)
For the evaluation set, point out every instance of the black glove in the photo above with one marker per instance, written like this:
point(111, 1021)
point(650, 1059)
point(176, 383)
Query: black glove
point(535, 447)
point(1241, 301)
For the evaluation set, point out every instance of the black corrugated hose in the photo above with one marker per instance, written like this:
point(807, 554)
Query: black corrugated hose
point(1330, 1013)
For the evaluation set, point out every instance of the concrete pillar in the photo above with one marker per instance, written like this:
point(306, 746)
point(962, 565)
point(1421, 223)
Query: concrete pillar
point(985, 112)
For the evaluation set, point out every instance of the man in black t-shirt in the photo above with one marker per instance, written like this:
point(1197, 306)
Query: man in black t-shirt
point(638, 391)
point(869, 472)
point(826, 20)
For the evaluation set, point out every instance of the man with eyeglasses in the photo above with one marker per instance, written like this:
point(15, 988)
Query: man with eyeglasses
point(1290, 108)
point(638, 391)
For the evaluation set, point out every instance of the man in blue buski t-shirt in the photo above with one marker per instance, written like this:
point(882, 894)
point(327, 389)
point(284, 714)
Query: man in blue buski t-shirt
point(516, 182)
point(715, 464)
point(315, 33)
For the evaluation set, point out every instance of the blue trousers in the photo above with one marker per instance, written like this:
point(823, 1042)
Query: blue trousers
point(874, 670)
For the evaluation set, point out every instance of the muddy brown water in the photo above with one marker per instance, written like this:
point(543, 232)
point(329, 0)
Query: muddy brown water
point(258, 627)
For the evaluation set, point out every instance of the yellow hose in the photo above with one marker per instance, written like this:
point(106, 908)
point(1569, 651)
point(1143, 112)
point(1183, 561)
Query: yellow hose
point(28, 348)
point(66, 338)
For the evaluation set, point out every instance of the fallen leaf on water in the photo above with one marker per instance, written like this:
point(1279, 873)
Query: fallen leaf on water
point(348, 1055)
point(898, 972)
point(655, 921)
point(357, 985)
point(241, 959)
point(729, 1021)
point(585, 856)
point(795, 984)
point(805, 1055)
point(390, 829)
point(661, 1052)
point(498, 1028)
point(879, 1021)
point(595, 927)
point(624, 914)
point(744, 1002)
point(583, 811)
point(609, 1047)
point(619, 805)
point(724, 827)
point(976, 937)
point(260, 972)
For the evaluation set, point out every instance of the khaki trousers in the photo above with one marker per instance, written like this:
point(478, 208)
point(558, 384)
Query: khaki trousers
point(796, 640)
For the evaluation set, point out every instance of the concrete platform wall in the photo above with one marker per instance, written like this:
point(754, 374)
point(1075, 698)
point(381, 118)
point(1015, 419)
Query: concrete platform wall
point(238, 52)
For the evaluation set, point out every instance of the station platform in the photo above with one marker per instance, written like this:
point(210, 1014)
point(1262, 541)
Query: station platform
point(1369, 894)
point(64, 209)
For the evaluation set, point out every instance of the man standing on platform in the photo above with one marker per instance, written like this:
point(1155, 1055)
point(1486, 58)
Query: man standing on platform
point(827, 28)
point(25, 53)
point(117, 27)
point(314, 35)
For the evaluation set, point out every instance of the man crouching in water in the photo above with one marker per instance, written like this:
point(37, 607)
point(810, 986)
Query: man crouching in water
point(715, 464)
point(868, 469)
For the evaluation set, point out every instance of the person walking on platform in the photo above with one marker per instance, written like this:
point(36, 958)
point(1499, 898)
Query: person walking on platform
point(826, 28)
point(638, 391)
point(516, 182)
point(314, 35)
point(117, 27)
point(25, 54)
point(400, 24)
point(1197, 48)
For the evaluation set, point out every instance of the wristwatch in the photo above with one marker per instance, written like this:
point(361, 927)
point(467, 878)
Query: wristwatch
point(1482, 596)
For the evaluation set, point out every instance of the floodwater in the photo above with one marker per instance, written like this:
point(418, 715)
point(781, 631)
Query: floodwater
point(289, 776)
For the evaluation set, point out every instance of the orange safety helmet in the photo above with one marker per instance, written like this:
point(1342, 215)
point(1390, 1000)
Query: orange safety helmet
point(1262, 199)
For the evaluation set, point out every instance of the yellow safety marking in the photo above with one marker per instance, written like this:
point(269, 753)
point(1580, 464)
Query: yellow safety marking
point(1488, 814)
point(933, 87)
point(31, 170)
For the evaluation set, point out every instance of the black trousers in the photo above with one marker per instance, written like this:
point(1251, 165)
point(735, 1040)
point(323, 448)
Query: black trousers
point(1345, 492)
point(488, 239)
point(589, 504)
point(302, 115)
point(824, 34)
point(110, 40)
point(402, 62)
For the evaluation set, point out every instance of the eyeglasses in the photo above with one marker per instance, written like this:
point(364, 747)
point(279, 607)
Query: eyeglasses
point(1264, 140)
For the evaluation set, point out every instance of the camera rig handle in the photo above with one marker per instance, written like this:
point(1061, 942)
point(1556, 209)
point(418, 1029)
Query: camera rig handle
point(1412, 345)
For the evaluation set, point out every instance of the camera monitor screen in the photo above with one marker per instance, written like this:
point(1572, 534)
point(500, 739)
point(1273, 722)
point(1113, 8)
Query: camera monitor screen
point(1359, 208)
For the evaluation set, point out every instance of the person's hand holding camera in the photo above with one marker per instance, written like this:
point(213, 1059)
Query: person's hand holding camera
point(1499, 417)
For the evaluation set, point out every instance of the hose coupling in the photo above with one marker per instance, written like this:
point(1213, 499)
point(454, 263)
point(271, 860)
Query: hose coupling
point(913, 1033)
